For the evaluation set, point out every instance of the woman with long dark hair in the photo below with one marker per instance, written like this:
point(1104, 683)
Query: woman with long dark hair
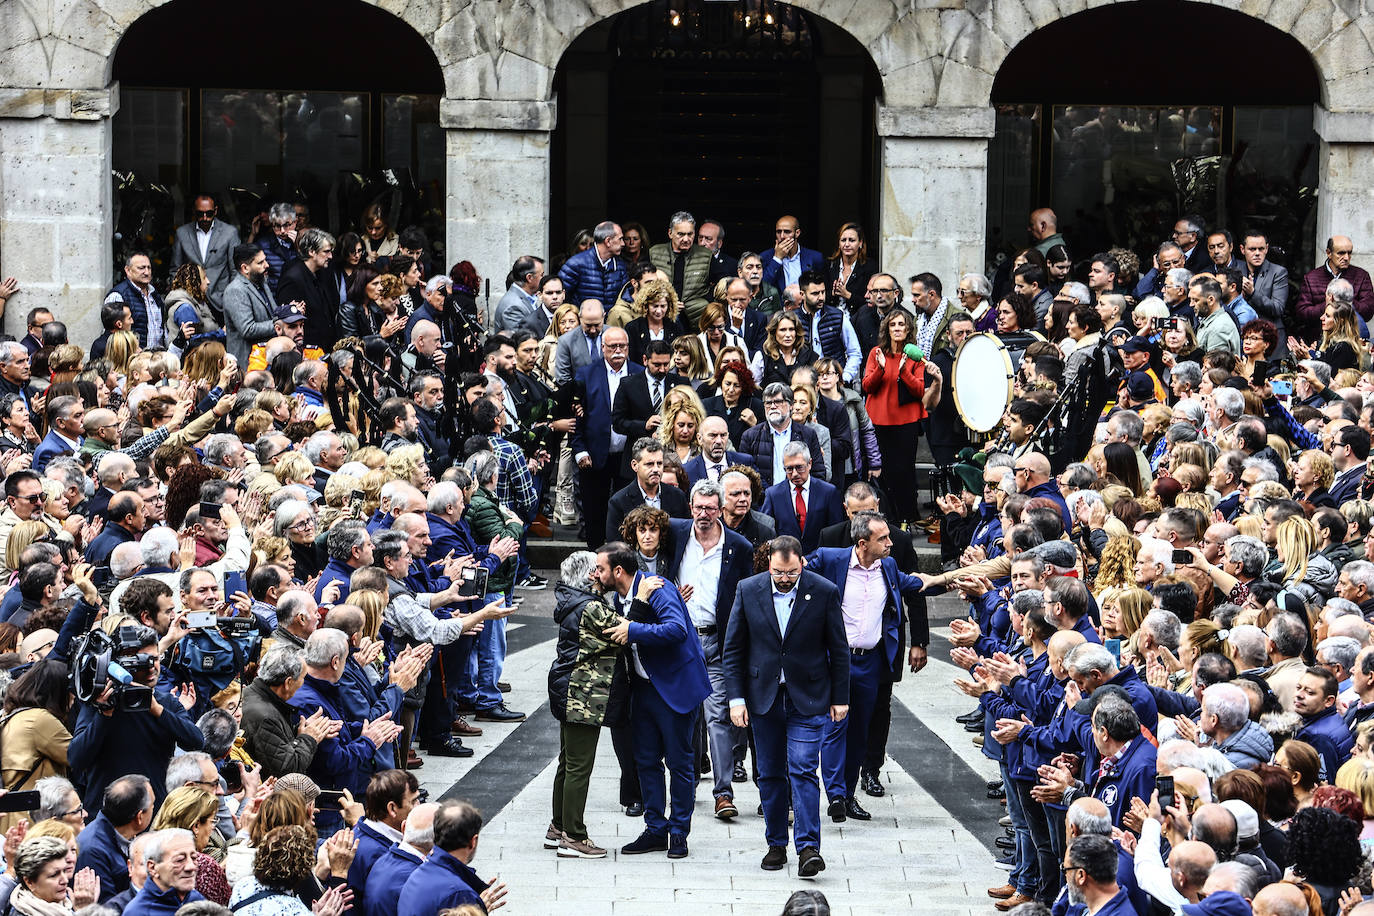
point(34, 737)
point(895, 386)
point(1123, 466)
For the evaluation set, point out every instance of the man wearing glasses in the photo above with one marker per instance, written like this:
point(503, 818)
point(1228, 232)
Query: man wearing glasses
point(307, 280)
point(33, 340)
point(1188, 236)
point(280, 244)
point(1312, 291)
point(209, 242)
point(883, 295)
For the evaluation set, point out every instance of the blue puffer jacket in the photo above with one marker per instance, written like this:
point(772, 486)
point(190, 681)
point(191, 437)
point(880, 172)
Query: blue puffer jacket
point(584, 278)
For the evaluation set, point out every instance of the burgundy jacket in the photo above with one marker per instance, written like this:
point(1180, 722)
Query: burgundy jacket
point(1312, 298)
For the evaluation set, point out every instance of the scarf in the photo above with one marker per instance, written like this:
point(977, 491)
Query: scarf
point(926, 326)
point(24, 902)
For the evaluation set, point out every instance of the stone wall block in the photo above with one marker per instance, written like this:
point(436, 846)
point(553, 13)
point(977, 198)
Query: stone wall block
point(1041, 12)
point(1283, 13)
point(1344, 61)
point(1011, 21)
point(25, 64)
point(909, 45)
point(1314, 25)
point(962, 85)
point(970, 42)
point(82, 258)
point(913, 85)
point(28, 250)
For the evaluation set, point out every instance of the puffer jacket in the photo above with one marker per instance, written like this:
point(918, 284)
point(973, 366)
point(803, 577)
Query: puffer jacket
point(1318, 583)
point(584, 278)
point(1248, 747)
point(487, 521)
point(588, 681)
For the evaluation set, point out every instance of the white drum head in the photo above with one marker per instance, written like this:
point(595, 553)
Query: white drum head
point(981, 382)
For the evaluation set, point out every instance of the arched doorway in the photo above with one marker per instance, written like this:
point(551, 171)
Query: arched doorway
point(1208, 111)
point(738, 111)
point(332, 104)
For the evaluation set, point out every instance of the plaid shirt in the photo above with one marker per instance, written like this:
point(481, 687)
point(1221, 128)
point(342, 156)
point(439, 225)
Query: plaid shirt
point(514, 485)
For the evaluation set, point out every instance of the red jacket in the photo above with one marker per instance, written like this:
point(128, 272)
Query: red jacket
point(880, 384)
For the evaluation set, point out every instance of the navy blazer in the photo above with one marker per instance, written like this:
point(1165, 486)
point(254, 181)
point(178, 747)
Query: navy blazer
point(772, 270)
point(736, 564)
point(593, 433)
point(832, 564)
point(757, 442)
point(100, 851)
point(51, 447)
point(670, 651)
point(440, 882)
point(388, 876)
point(813, 654)
point(371, 847)
point(696, 468)
point(823, 508)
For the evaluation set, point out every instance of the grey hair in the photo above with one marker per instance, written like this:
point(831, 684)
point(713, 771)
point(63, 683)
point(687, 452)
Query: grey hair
point(312, 240)
point(483, 466)
point(1342, 291)
point(293, 604)
point(681, 216)
point(709, 488)
point(218, 446)
point(1321, 370)
point(1189, 373)
point(978, 284)
point(436, 281)
point(1118, 717)
point(1079, 475)
point(1230, 402)
point(442, 495)
point(1176, 753)
point(220, 730)
point(263, 448)
point(1340, 607)
point(280, 664)
point(195, 908)
point(1229, 704)
point(1265, 467)
point(1076, 291)
point(1249, 644)
point(1179, 276)
point(1032, 599)
point(126, 560)
point(11, 351)
point(325, 645)
point(576, 568)
point(419, 837)
point(185, 769)
point(1130, 425)
point(603, 231)
point(345, 537)
point(288, 513)
point(1190, 407)
point(1288, 634)
point(282, 213)
point(1249, 552)
point(1243, 879)
point(1089, 657)
point(777, 390)
point(156, 845)
point(796, 450)
point(1165, 627)
point(1361, 572)
point(1087, 823)
point(1339, 650)
point(52, 797)
point(861, 525)
point(158, 544)
point(35, 852)
point(317, 443)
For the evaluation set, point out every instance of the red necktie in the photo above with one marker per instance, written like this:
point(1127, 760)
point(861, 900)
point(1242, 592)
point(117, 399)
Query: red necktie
point(801, 510)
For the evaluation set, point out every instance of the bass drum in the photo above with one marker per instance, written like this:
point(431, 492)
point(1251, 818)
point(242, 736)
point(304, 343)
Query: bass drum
point(981, 382)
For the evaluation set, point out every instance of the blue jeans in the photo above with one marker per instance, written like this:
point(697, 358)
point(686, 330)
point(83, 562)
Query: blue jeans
point(1025, 871)
point(846, 742)
point(787, 748)
point(662, 736)
point(490, 653)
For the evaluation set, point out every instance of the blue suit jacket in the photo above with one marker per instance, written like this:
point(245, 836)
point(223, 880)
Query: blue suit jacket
point(371, 847)
point(1328, 733)
point(813, 654)
point(736, 564)
point(1134, 778)
point(832, 564)
point(100, 852)
point(388, 876)
point(441, 882)
point(347, 760)
point(772, 269)
point(51, 447)
point(669, 649)
point(824, 508)
point(696, 468)
point(593, 434)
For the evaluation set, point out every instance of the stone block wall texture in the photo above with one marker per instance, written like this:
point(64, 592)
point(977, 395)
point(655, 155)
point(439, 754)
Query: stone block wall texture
point(937, 60)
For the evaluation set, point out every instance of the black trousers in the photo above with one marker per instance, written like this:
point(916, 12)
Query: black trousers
point(623, 742)
point(598, 485)
point(897, 444)
point(878, 727)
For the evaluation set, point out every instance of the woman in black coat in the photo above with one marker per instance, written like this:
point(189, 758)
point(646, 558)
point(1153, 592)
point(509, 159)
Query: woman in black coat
point(657, 305)
point(850, 268)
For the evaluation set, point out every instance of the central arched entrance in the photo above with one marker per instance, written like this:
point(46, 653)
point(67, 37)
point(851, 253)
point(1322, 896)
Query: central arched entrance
point(738, 111)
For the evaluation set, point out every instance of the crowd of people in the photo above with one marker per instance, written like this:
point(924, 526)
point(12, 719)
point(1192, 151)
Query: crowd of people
point(261, 537)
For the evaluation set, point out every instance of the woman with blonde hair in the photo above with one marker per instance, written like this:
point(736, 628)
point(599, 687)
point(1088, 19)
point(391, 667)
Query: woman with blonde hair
point(373, 604)
point(689, 359)
point(204, 362)
point(65, 362)
point(785, 347)
point(1194, 453)
point(1116, 568)
point(269, 549)
point(295, 468)
point(564, 320)
point(408, 463)
point(193, 808)
point(1132, 607)
point(1107, 602)
point(1190, 477)
point(1313, 475)
point(1304, 570)
point(121, 348)
point(655, 307)
point(20, 537)
point(277, 405)
point(1341, 346)
point(681, 420)
point(804, 405)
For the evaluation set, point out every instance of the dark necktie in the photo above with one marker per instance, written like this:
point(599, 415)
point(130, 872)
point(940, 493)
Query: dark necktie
point(679, 268)
point(656, 394)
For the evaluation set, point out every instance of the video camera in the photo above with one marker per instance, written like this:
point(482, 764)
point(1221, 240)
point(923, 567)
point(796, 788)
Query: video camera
point(100, 660)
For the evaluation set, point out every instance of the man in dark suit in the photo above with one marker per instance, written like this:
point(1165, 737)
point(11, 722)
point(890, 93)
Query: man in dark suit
point(1265, 284)
point(66, 422)
point(802, 505)
point(668, 684)
point(786, 666)
point(861, 497)
point(307, 280)
point(744, 320)
point(763, 441)
point(740, 516)
point(596, 447)
point(635, 413)
point(707, 563)
point(209, 242)
point(711, 236)
point(872, 590)
point(787, 260)
point(716, 456)
point(646, 470)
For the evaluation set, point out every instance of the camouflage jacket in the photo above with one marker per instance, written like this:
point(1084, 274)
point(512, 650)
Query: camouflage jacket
point(588, 682)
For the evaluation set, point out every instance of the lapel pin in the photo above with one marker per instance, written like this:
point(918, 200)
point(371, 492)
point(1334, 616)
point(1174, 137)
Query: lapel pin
point(806, 597)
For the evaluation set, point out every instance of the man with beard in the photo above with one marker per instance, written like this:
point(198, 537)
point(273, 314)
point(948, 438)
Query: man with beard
point(427, 394)
point(883, 295)
point(646, 464)
point(764, 442)
point(635, 413)
point(716, 455)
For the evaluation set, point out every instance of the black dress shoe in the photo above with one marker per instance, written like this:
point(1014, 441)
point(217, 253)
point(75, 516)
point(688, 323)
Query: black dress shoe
point(809, 862)
point(499, 713)
point(451, 747)
point(1005, 842)
point(775, 860)
point(974, 727)
point(967, 717)
point(851, 808)
point(872, 785)
point(994, 784)
point(634, 810)
point(677, 846)
point(999, 792)
point(648, 841)
point(740, 774)
point(503, 686)
point(836, 810)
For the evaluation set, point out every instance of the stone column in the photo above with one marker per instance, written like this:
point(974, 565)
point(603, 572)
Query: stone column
point(935, 188)
point(498, 183)
point(1345, 205)
point(56, 213)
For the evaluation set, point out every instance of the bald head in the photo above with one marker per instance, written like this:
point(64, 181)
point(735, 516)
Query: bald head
point(1043, 223)
point(1280, 899)
point(1064, 642)
point(425, 337)
point(410, 523)
point(419, 827)
point(1190, 863)
point(1038, 466)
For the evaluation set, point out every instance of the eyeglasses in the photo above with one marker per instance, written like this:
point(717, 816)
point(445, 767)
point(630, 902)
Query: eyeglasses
point(1065, 869)
point(1020, 470)
point(35, 499)
point(79, 809)
point(304, 524)
point(883, 289)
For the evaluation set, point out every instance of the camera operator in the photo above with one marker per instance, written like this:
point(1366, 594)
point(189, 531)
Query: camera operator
point(109, 741)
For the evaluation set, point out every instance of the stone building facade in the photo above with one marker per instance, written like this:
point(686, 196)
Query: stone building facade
point(937, 61)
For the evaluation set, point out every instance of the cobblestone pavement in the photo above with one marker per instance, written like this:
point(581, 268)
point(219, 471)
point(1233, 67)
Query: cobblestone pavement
point(927, 849)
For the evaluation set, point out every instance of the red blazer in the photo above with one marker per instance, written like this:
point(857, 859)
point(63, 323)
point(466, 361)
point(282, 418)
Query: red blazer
point(880, 384)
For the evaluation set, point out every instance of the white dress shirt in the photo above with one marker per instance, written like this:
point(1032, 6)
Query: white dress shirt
point(701, 570)
point(613, 380)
